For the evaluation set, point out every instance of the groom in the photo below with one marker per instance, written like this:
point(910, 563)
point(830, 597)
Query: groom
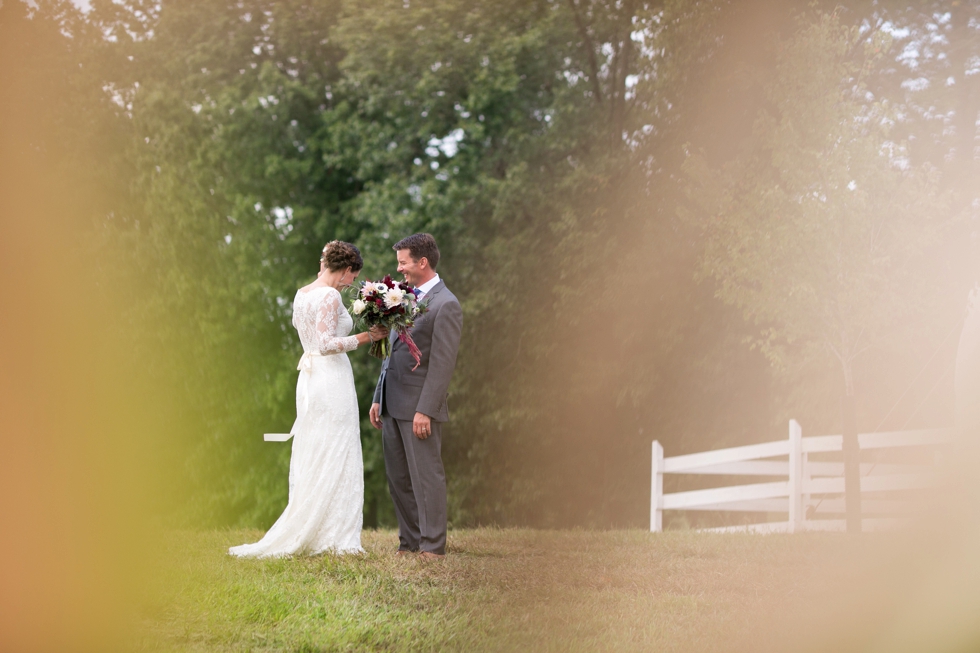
point(410, 405)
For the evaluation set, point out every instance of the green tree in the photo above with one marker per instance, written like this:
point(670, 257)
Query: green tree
point(542, 143)
point(537, 141)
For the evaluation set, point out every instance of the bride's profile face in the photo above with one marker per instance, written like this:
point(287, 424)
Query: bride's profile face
point(349, 277)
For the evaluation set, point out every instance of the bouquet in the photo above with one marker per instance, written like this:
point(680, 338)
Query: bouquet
point(393, 305)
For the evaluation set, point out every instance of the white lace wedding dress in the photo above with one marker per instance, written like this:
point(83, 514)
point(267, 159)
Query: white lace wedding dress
point(326, 471)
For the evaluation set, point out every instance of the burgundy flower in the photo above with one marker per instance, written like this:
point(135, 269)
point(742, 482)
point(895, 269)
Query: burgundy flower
point(398, 318)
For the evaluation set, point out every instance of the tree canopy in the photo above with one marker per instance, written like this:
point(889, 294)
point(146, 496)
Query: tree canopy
point(627, 196)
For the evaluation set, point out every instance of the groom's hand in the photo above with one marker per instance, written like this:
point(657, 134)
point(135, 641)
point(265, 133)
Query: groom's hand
point(421, 426)
point(375, 415)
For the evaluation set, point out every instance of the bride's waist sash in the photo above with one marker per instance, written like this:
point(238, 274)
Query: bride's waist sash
point(306, 360)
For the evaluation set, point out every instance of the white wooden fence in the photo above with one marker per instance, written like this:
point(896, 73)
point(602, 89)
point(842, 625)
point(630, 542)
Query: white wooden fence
point(802, 485)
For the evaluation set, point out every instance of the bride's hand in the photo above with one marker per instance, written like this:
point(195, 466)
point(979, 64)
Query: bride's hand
point(378, 332)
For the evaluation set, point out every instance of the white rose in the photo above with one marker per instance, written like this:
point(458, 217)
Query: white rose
point(358, 306)
point(394, 297)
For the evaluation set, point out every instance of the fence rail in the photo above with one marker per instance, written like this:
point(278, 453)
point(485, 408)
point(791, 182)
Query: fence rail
point(810, 489)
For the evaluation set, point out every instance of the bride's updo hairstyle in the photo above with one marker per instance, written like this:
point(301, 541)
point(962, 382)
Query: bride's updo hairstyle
point(338, 255)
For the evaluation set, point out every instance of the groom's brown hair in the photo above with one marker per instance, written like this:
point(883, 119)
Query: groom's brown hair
point(420, 246)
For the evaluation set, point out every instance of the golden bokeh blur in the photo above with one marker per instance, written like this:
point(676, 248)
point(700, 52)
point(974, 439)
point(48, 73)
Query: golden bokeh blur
point(71, 484)
point(602, 310)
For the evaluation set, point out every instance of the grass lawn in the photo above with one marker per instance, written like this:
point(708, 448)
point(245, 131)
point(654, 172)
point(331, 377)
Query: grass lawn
point(512, 590)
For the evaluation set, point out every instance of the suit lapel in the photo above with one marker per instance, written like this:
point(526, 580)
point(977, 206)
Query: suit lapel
point(435, 290)
point(430, 297)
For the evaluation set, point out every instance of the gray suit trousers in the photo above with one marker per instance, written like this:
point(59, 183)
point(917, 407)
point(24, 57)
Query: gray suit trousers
point(417, 483)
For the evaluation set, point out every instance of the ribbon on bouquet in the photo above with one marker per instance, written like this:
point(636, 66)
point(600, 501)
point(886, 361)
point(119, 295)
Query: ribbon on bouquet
point(413, 349)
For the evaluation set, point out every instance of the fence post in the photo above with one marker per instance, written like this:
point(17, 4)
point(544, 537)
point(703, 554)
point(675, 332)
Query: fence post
point(806, 487)
point(796, 514)
point(851, 448)
point(657, 489)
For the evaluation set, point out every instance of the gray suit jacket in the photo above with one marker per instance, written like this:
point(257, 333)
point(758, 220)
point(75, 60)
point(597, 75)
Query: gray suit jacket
point(402, 392)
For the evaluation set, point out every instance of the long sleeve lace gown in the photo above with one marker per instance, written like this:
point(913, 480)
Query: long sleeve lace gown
point(326, 478)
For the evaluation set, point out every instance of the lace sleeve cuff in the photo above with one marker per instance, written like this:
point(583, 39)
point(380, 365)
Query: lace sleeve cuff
point(348, 343)
point(331, 345)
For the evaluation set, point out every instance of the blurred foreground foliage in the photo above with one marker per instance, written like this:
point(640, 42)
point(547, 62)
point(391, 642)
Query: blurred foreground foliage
point(605, 180)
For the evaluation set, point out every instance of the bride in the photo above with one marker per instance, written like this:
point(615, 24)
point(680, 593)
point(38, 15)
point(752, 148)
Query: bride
point(326, 477)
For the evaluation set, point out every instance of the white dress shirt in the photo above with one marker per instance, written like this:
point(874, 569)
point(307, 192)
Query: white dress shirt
point(428, 285)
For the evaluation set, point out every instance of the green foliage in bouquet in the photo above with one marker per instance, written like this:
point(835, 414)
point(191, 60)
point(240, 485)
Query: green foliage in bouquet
point(390, 304)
